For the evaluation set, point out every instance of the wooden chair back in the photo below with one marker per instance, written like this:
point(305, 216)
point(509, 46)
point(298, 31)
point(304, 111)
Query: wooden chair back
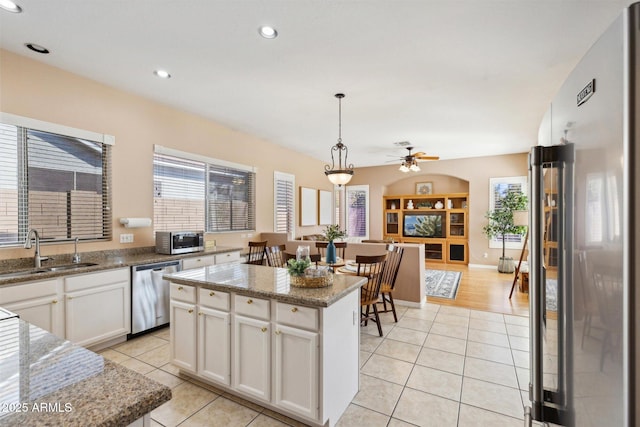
point(313, 257)
point(256, 253)
point(371, 267)
point(391, 267)
point(340, 248)
point(275, 255)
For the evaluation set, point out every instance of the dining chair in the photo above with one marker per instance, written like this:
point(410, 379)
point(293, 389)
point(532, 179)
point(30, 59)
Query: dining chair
point(256, 253)
point(340, 248)
point(389, 276)
point(275, 256)
point(312, 257)
point(370, 266)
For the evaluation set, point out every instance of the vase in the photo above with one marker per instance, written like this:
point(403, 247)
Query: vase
point(331, 253)
point(505, 265)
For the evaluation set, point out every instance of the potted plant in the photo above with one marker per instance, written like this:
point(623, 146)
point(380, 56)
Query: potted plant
point(501, 223)
point(332, 232)
point(297, 267)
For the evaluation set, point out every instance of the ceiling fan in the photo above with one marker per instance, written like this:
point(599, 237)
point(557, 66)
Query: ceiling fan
point(410, 161)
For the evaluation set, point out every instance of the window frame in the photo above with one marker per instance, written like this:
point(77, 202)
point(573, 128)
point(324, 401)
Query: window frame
point(290, 207)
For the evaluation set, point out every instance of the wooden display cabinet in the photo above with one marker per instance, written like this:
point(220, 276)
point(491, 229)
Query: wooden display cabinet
point(439, 221)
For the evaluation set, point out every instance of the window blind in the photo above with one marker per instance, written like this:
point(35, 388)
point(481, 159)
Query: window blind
point(54, 183)
point(284, 203)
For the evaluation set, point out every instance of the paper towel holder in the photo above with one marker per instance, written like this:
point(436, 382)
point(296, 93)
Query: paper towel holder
point(135, 222)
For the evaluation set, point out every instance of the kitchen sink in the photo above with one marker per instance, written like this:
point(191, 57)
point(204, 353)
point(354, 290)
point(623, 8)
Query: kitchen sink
point(69, 266)
point(21, 273)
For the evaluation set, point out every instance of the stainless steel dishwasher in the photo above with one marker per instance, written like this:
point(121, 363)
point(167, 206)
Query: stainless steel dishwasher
point(150, 295)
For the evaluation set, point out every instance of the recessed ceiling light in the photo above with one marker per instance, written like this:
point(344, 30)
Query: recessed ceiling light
point(268, 32)
point(10, 6)
point(37, 48)
point(163, 74)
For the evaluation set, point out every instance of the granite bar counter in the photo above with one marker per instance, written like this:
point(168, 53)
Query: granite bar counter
point(47, 381)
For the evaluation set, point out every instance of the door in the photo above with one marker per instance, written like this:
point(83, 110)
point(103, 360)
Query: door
point(183, 335)
point(214, 345)
point(252, 357)
point(296, 370)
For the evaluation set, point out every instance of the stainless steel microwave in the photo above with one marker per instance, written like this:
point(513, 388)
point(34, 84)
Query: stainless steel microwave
point(179, 242)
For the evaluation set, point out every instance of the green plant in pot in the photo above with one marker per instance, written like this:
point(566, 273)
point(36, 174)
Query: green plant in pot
point(501, 223)
point(332, 232)
point(297, 267)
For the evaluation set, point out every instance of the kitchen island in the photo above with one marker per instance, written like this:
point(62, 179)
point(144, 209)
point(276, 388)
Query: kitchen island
point(245, 329)
point(47, 381)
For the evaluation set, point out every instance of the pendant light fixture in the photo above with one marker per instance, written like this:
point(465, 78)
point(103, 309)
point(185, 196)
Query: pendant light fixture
point(342, 175)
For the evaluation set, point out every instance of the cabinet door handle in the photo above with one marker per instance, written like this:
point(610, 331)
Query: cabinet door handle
point(180, 288)
point(277, 332)
point(55, 301)
point(264, 329)
point(69, 298)
point(190, 311)
point(250, 301)
point(294, 309)
point(200, 313)
point(211, 294)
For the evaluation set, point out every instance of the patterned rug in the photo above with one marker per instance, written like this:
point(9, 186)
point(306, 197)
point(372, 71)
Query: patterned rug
point(442, 284)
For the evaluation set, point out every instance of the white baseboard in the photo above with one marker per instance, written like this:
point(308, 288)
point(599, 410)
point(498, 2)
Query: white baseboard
point(495, 267)
point(411, 304)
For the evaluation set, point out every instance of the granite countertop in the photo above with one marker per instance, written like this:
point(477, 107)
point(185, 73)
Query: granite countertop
point(47, 381)
point(104, 260)
point(266, 282)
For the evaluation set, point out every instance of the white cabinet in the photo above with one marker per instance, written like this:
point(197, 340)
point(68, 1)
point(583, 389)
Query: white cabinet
point(296, 370)
point(214, 336)
point(228, 257)
point(98, 306)
point(39, 303)
point(184, 323)
point(252, 357)
point(200, 261)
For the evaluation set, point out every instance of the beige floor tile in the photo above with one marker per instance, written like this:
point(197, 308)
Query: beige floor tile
point(372, 329)
point(162, 333)
point(516, 320)
point(221, 413)
point(394, 422)
point(415, 324)
point(288, 421)
point(434, 381)
point(487, 337)
point(489, 352)
point(521, 358)
point(157, 357)
point(154, 423)
point(491, 372)
point(264, 421)
point(171, 368)
point(377, 394)
point(138, 366)
point(388, 369)
point(186, 400)
point(114, 356)
point(486, 315)
point(451, 319)
point(475, 417)
point(364, 356)
point(487, 325)
point(242, 402)
point(459, 332)
point(442, 360)
point(369, 343)
point(441, 342)
point(493, 397)
point(423, 409)
point(519, 343)
point(517, 330)
point(410, 336)
point(456, 311)
point(399, 350)
point(137, 346)
point(358, 416)
point(165, 378)
point(424, 314)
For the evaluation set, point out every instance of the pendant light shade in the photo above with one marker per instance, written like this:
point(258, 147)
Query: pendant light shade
point(342, 173)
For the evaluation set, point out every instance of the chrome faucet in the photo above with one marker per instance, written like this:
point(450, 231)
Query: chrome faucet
point(27, 245)
point(76, 255)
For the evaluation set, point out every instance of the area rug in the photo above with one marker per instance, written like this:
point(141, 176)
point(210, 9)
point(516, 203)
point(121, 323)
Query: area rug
point(442, 284)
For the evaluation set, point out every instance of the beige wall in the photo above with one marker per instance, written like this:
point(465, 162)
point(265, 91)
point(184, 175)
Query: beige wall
point(32, 89)
point(448, 176)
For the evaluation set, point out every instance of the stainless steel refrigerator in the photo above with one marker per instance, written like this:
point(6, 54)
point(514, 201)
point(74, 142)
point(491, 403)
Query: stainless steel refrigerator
point(584, 189)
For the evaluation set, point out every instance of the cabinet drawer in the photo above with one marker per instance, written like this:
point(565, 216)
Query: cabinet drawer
point(250, 306)
point(183, 292)
point(297, 316)
point(91, 280)
point(214, 299)
point(227, 257)
point(195, 262)
point(27, 291)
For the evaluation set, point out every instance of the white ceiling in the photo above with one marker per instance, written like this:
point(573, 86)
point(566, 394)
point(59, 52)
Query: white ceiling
point(456, 78)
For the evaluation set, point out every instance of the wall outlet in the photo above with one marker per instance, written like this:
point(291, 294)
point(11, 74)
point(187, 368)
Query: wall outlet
point(485, 255)
point(126, 238)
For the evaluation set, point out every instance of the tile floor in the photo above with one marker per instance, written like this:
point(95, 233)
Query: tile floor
point(438, 366)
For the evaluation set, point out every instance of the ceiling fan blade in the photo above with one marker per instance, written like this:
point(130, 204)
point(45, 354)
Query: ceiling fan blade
point(419, 153)
point(428, 157)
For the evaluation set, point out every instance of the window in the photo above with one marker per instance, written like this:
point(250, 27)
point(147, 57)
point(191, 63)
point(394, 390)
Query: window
point(55, 183)
point(193, 192)
point(498, 188)
point(284, 203)
point(357, 211)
